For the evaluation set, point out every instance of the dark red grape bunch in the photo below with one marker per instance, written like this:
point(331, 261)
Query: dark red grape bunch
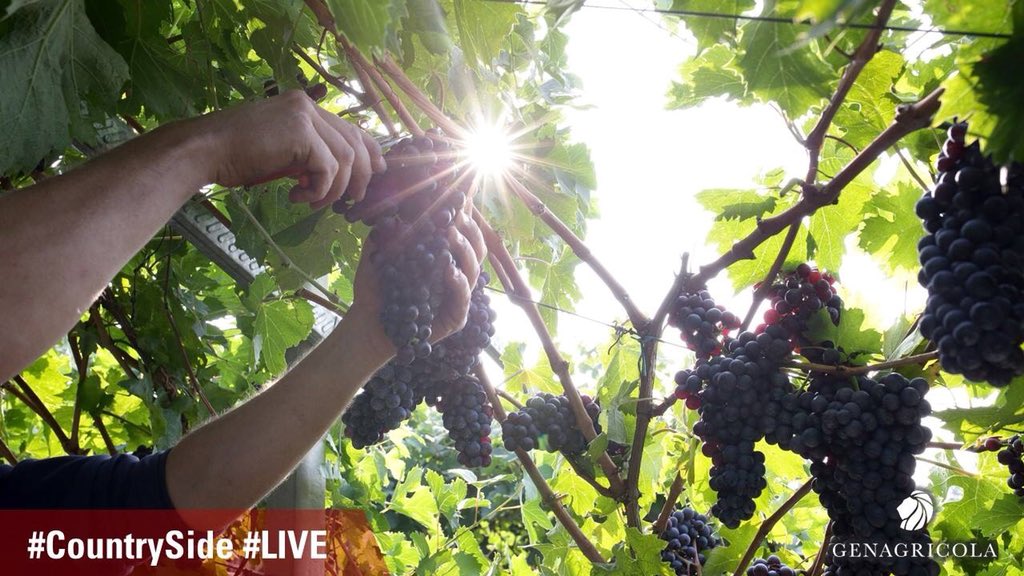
point(702, 324)
point(771, 566)
point(689, 536)
point(799, 295)
point(972, 263)
point(458, 353)
point(467, 415)
point(1012, 456)
point(390, 397)
point(547, 421)
point(732, 392)
point(386, 401)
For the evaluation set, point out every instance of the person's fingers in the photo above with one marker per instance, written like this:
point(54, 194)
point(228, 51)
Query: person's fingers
point(345, 157)
point(362, 163)
point(469, 229)
point(460, 290)
point(464, 254)
point(321, 167)
point(376, 154)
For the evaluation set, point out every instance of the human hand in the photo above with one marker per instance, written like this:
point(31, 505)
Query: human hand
point(468, 250)
point(289, 135)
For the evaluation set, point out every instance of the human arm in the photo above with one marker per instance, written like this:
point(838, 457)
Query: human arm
point(258, 443)
point(62, 240)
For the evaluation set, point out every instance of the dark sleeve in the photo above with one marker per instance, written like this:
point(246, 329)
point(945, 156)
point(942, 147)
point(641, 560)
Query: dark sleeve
point(86, 482)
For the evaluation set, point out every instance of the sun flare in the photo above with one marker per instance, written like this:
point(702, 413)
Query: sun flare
point(488, 150)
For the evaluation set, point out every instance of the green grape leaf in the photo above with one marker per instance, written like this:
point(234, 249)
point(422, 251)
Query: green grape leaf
point(892, 229)
point(278, 326)
point(59, 77)
point(366, 23)
point(711, 32)
point(538, 378)
point(711, 74)
point(484, 28)
point(850, 335)
point(1001, 89)
point(777, 70)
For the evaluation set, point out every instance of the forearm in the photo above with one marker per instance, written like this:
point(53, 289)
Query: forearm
point(62, 240)
point(232, 462)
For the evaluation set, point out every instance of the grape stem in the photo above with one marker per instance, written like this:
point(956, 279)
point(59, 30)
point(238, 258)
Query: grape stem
point(853, 370)
point(768, 524)
point(819, 560)
point(547, 495)
point(369, 97)
point(766, 285)
point(359, 62)
point(508, 398)
point(949, 467)
point(671, 498)
point(6, 453)
point(436, 115)
point(951, 446)
point(518, 291)
point(286, 262)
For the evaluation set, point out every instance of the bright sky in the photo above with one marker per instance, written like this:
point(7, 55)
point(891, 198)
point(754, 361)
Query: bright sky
point(651, 162)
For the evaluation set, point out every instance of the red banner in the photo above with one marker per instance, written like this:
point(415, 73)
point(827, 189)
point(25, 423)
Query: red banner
point(171, 543)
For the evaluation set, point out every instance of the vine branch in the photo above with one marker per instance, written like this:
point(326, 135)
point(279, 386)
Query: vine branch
point(650, 334)
point(518, 292)
point(865, 51)
point(766, 527)
point(364, 67)
point(422, 101)
point(909, 118)
point(671, 498)
point(851, 370)
point(7, 453)
point(27, 395)
point(579, 248)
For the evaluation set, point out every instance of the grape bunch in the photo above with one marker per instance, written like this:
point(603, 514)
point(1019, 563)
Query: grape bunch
point(458, 353)
point(386, 401)
point(440, 379)
point(972, 263)
point(771, 566)
point(702, 323)
point(688, 535)
point(798, 296)
point(861, 439)
point(1012, 456)
point(467, 415)
point(731, 392)
point(547, 421)
point(411, 206)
